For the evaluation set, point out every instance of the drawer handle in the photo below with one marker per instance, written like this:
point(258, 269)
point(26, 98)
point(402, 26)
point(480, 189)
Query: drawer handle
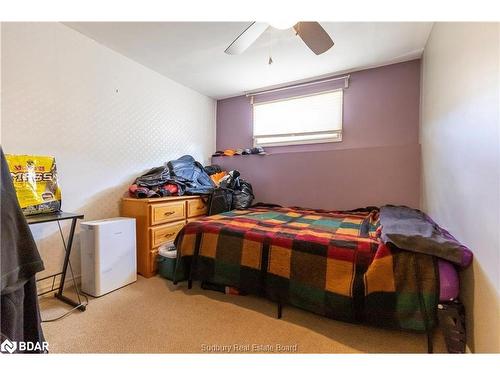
point(169, 234)
point(168, 213)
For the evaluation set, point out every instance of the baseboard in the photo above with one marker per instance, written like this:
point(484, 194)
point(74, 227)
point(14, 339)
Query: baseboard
point(45, 285)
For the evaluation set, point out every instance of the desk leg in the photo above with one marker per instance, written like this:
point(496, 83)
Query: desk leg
point(66, 256)
point(59, 293)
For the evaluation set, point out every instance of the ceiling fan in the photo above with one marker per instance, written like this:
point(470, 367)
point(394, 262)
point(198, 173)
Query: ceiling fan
point(312, 34)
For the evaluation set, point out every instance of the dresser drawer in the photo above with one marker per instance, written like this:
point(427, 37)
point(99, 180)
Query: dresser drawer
point(196, 207)
point(167, 212)
point(165, 233)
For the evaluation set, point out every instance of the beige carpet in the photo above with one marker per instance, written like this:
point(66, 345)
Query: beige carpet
point(154, 316)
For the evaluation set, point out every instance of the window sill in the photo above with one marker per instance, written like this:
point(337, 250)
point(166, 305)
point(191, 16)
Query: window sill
point(301, 143)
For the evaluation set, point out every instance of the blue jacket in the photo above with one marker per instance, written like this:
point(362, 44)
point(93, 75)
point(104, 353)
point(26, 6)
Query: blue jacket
point(189, 172)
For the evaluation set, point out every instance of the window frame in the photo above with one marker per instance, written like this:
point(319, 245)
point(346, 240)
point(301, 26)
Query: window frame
point(300, 141)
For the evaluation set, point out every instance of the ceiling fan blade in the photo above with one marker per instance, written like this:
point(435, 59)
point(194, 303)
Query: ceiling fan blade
point(246, 38)
point(314, 36)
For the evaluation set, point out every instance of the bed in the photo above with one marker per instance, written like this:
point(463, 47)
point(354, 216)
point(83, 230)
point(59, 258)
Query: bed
point(339, 264)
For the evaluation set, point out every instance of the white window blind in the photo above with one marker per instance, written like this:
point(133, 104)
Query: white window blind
point(314, 118)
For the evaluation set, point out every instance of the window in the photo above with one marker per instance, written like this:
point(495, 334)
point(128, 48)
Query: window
point(314, 118)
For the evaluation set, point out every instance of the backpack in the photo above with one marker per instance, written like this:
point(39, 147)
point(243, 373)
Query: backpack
point(220, 201)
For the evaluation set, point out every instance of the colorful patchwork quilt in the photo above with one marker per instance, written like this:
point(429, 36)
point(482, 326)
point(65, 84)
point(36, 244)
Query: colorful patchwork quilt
point(329, 262)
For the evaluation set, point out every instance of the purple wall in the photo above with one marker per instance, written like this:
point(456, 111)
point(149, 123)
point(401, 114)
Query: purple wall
point(377, 162)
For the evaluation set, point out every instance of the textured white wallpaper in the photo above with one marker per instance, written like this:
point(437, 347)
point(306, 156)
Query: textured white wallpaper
point(104, 117)
point(460, 137)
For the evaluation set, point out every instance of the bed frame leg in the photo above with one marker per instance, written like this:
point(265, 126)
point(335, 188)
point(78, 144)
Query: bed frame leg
point(430, 348)
point(280, 309)
point(190, 284)
point(451, 316)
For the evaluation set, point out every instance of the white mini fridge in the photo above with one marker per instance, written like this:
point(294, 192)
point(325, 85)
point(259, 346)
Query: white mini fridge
point(108, 254)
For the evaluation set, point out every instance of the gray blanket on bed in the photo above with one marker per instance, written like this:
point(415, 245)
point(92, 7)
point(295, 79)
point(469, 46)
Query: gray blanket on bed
point(412, 230)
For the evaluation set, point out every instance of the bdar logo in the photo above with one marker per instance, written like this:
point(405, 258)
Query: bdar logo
point(8, 346)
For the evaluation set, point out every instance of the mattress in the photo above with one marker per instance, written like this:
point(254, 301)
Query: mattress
point(448, 281)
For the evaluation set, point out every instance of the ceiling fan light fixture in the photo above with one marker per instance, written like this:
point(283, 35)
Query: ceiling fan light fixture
point(312, 34)
point(282, 24)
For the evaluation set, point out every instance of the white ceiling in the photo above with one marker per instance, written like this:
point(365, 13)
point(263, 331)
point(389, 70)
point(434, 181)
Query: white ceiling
point(192, 53)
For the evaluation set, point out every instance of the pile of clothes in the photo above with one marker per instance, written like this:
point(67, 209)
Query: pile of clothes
point(238, 192)
point(184, 176)
point(216, 173)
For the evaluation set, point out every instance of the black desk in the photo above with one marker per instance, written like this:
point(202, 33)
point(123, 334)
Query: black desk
point(57, 217)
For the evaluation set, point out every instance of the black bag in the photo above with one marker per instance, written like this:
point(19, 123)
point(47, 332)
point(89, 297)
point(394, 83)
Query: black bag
point(242, 197)
point(220, 201)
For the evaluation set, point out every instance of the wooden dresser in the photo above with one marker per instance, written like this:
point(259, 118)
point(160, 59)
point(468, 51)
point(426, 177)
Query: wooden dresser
point(158, 220)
